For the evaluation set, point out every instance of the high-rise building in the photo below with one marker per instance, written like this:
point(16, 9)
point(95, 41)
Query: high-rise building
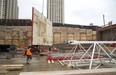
point(9, 9)
point(55, 11)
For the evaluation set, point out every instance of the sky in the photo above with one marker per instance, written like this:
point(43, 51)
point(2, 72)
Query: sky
point(79, 12)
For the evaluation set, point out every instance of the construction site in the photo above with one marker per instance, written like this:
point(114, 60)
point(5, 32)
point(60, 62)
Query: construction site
point(74, 49)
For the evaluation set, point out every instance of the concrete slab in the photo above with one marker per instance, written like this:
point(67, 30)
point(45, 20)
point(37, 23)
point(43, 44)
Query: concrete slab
point(107, 71)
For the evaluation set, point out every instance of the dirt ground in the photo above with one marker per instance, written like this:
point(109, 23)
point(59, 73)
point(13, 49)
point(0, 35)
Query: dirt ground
point(38, 63)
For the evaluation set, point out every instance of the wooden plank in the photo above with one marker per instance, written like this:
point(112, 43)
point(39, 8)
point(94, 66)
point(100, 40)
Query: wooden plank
point(12, 67)
point(60, 62)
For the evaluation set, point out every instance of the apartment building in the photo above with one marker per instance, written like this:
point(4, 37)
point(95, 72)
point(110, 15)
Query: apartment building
point(55, 11)
point(9, 9)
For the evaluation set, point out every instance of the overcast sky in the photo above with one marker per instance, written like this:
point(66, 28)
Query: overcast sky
point(82, 12)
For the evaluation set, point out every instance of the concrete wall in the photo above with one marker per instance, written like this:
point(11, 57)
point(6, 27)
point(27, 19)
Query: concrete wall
point(107, 33)
point(18, 35)
point(15, 31)
point(62, 34)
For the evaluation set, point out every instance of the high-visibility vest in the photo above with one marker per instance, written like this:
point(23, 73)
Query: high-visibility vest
point(28, 51)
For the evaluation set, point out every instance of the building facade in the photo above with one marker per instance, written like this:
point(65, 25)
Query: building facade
point(9, 9)
point(55, 11)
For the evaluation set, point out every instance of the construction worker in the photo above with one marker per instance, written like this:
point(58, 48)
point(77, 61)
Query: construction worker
point(29, 55)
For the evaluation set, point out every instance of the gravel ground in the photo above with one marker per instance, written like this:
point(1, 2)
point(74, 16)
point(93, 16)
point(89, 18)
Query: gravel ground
point(38, 63)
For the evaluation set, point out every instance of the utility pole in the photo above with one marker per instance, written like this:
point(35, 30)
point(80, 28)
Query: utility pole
point(104, 20)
